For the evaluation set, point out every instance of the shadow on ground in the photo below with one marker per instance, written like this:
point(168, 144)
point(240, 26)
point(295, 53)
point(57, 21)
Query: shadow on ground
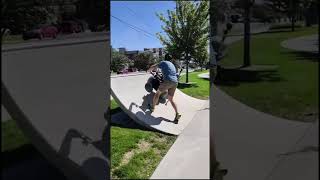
point(303, 55)
point(234, 76)
point(24, 152)
point(187, 85)
point(26, 162)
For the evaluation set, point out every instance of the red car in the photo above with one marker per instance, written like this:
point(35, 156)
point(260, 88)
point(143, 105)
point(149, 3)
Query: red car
point(40, 32)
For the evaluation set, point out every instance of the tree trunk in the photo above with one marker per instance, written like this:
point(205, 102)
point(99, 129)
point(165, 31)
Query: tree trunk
point(292, 15)
point(187, 70)
point(246, 54)
point(292, 23)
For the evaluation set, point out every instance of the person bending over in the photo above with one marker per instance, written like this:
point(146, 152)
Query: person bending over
point(170, 83)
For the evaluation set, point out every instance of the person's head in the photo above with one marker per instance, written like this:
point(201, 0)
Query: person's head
point(168, 57)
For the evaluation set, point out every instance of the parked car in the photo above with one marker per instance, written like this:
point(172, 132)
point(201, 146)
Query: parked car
point(70, 27)
point(40, 32)
point(132, 69)
point(123, 71)
point(83, 24)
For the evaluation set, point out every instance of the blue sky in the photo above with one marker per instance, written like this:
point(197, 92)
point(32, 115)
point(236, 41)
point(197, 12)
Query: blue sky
point(141, 14)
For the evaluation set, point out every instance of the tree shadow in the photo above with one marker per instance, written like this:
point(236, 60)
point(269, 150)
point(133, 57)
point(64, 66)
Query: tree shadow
point(184, 85)
point(235, 76)
point(24, 152)
point(275, 31)
point(303, 55)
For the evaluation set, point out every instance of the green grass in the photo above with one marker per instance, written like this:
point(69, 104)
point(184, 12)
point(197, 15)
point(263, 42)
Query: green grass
point(292, 91)
point(11, 39)
point(114, 107)
point(11, 136)
point(144, 158)
point(200, 90)
point(284, 26)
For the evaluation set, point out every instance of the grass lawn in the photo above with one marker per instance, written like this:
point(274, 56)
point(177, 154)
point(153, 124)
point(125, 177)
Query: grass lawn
point(11, 136)
point(200, 90)
point(291, 91)
point(10, 39)
point(136, 153)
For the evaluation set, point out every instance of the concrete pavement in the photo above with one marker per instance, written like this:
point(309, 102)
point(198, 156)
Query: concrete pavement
point(189, 156)
point(59, 100)
point(204, 75)
point(304, 43)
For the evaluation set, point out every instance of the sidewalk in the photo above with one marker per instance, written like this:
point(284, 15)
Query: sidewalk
point(304, 43)
point(250, 143)
point(188, 158)
point(61, 41)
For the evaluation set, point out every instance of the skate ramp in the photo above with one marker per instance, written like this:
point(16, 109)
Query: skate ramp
point(129, 92)
point(58, 97)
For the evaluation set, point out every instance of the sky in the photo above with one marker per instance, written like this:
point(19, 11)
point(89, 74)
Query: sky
point(141, 14)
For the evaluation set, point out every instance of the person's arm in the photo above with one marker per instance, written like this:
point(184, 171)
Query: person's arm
point(153, 67)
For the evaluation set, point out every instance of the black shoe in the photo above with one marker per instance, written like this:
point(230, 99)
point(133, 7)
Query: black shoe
point(176, 119)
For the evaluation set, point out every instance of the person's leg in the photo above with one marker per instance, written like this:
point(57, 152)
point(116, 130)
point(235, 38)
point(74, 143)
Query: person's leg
point(170, 98)
point(171, 92)
point(162, 88)
point(155, 99)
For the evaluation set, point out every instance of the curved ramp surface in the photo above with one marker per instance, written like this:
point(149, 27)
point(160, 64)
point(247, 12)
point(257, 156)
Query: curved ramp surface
point(58, 97)
point(128, 90)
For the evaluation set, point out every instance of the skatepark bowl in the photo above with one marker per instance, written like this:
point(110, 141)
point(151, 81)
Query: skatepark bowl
point(58, 97)
point(135, 104)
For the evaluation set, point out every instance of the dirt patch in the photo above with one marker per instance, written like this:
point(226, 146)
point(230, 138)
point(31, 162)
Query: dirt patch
point(143, 146)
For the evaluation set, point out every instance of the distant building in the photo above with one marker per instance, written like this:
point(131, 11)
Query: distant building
point(156, 52)
point(131, 54)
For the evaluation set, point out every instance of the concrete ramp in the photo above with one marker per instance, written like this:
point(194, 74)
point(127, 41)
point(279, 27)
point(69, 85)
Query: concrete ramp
point(129, 92)
point(58, 97)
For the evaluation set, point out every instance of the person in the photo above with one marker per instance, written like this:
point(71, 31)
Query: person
point(170, 83)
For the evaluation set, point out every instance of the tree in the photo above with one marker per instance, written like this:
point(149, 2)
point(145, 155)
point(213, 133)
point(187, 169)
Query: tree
point(95, 12)
point(246, 6)
point(143, 61)
point(118, 61)
point(201, 56)
point(19, 15)
point(290, 8)
point(186, 29)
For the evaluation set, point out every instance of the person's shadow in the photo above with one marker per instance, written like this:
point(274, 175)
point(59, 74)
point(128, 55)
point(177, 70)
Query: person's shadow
point(144, 110)
point(92, 164)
